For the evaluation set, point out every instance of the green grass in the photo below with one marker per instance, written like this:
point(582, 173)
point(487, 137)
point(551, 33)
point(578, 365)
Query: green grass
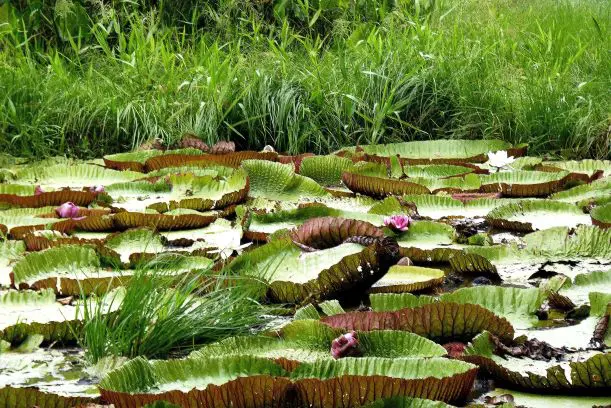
point(160, 314)
point(535, 72)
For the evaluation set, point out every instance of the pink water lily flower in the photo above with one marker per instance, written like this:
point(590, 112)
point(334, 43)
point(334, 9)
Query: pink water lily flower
point(67, 210)
point(345, 345)
point(38, 190)
point(97, 189)
point(398, 223)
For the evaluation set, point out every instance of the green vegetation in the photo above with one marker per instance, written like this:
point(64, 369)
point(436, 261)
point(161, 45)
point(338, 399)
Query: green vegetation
point(305, 203)
point(209, 279)
point(88, 78)
point(160, 313)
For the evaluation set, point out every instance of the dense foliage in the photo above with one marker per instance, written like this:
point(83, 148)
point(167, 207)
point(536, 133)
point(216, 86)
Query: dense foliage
point(88, 78)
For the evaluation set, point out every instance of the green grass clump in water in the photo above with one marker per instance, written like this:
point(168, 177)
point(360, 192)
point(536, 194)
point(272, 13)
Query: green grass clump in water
point(307, 79)
point(161, 314)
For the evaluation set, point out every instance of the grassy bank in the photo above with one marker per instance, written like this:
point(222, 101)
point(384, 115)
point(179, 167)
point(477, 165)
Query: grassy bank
point(305, 79)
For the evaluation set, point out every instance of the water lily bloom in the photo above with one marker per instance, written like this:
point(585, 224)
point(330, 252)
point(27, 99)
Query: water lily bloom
point(398, 223)
point(38, 190)
point(345, 345)
point(97, 189)
point(499, 160)
point(67, 210)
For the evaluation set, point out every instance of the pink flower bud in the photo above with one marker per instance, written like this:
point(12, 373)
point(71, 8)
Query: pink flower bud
point(38, 190)
point(398, 223)
point(67, 210)
point(345, 345)
point(97, 189)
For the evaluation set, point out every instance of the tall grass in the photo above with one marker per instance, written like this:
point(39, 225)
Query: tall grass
point(312, 79)
point(159, 314)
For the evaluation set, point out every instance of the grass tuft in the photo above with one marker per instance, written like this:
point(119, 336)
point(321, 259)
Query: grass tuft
point(161, 314)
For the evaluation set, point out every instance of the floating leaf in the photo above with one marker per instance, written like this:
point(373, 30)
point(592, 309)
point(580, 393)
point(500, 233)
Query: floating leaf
point(531, 215)
point(441, 321)
point(381, 187)
point(517, 305)
point(327, 232)
point(326, 170)
point(74, 176)
point(408, 279)
point(52, 198)
point(601, 216)
point(597, 189)
point(310, 340)
point(523, 183)
point(172, 220)
point(33, 397)
point(135, 160)
point(233, 381)
point(234, 159)
point(296, 276)
point(352, 382)
point(591, 375)
point(276, 181)
point(439, 151)
point(26, 313)
point(588, 167)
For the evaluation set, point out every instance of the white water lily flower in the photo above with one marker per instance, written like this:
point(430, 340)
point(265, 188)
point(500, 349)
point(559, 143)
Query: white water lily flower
point(499, 159)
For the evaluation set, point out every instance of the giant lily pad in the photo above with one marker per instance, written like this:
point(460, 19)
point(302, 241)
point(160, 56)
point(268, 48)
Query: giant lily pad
point(233, 159)
point(51, 198)
point(467, 183)
point(25, 313)
point(576, 336)
point(440, 171)
point(601, 216)
point(582, 285)
point(440, 321)
point(135, 160)
point(310, 340)
point(537, 400)
point(232, 381)
point(176, 219)
point(135, 241)
point(10, 252)
point(427, 234)
point(74, 176)
point(33, 397)
point(73, 270)
point(517, 305)
point(534, 215)
point(254, 382)
point(62, 269)
point(261, 225)
point(295, 276)
point(521, 183)
point(516, 265)
point(326, 170)
point(596, 189)
point(352, 382)
point(204, 192)
point(381, 187)
point(408, 279)
point(278, 181)
point(327, 232)
point(436, 207)
point(20, 217)
point(439, 151)
point(587, 167)
point(17, 189)
point(590, 376)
